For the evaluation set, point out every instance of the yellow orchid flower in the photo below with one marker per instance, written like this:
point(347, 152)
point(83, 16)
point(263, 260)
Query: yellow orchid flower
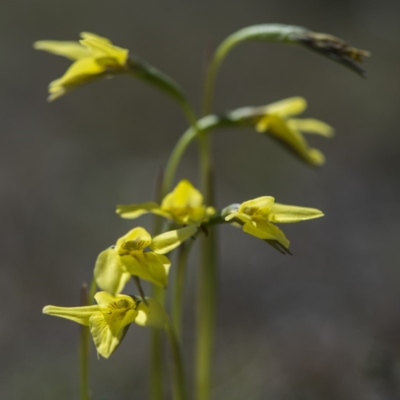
point(109, 320)
point(184, 205)
point(115, 265)
point(258, 215)
point(94, 57)
point(278, 123)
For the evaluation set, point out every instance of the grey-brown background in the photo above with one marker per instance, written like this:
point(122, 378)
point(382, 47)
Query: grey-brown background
point(324, 324)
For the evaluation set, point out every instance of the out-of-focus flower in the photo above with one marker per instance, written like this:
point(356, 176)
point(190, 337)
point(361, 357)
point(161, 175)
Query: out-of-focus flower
point(278, 123)
point(334, 48)
point(94, 57)
point(184, 205)
point(138, 254)
point(109, 320)
point(258, 215)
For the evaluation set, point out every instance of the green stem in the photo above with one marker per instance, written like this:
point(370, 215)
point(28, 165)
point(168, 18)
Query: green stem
point(84, 348)
point(156, 340)
point(178, 289)
point(156, 352)
point(178, 381)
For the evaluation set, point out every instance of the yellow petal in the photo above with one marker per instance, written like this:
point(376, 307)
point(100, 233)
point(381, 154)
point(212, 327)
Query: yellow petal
point(283, 213)
point(152, 315)
point(240, 216)
point(106, 53)
point(72, 50)
point(109, 326)
point(184, 195)
point(263, 124)
point(168, 241)
point(231, 216)
point(263, 229)
point(89, 35)
point(136, 266)
point(81, 315)
point(132, 211)
point(311, 125)
point(288, 107)
point(158, 268)
point(294, 140)
point(108, 272)
point(80, 72)
point(260, 205)
point(136, 239)
point(105, 338)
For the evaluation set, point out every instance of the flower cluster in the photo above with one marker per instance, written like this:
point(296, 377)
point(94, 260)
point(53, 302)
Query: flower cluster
point(140, 255)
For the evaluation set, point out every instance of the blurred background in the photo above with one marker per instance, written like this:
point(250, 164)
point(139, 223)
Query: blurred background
point(323, 324)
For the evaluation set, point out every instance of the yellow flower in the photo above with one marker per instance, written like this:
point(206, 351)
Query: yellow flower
point(278, 123)
point(94, 57)
point(184, 205)
point(115, 265)
point(258, 215)
point(109, 320)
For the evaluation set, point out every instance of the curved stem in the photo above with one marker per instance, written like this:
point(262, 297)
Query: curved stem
point(213, 68)
point(178, 381)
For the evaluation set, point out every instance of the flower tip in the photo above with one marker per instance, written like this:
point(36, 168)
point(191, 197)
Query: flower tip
point(46, 310)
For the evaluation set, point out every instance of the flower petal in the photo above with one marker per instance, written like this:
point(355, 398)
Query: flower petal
point(168, 241)
point(288, 107)
point(310, 125)
point(81, 315)
point(90, 35)
point(294, 141)
point(72, 50)
point(265, 230)
point(136, 266)
point(259, 205)
point(103, 299)
point(152, 315)
point(106, 53)
point(158, 267)
point(283, 213)
point(105, 338)
point(139, 238)
point(131, 211)
point(108, 272)
point(83, 71)
point(184, 195)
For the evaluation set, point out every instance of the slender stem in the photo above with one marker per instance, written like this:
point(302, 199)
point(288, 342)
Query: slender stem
point(212, 71)
point(178, 289)
point(206, 304)
point(140, 288)
point(156, 341)
point(178, 381)
point(84, 348)
point(156, 353)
